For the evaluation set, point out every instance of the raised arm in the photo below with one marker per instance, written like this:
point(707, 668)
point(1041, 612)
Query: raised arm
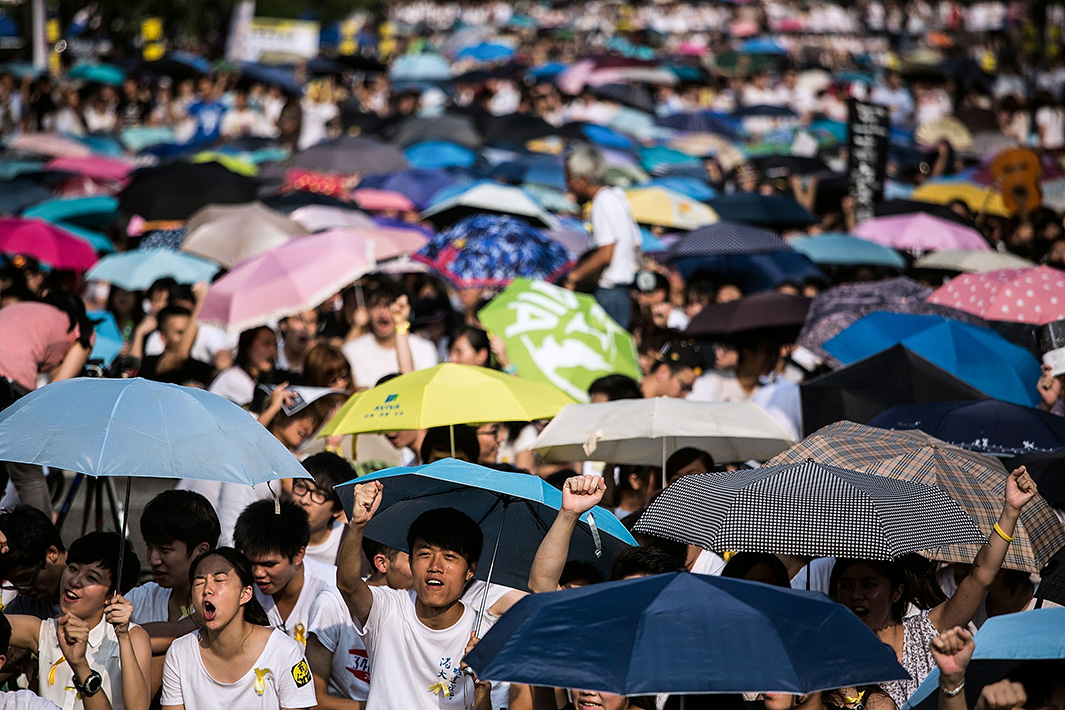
point(579, 495)
point(951, 651)
point(349, 560)
point(960, 608)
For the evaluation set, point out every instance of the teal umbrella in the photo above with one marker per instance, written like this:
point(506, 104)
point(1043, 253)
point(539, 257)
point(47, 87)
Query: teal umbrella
point(140, 137)
point(95, 211)
point(98, 73)
point(844, 250)
point(99, 242)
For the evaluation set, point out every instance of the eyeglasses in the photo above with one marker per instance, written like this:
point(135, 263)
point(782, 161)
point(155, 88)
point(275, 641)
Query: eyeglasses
point(491, 431)
point(301, 488)
point(19, 587)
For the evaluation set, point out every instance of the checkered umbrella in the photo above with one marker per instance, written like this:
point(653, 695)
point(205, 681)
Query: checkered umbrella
point(808, 508)
point(974, 480)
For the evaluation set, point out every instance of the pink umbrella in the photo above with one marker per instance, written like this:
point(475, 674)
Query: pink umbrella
point(1034, 295)
point(920, 232)
point(47, 243)
point(384, 242)
point(51, 144)
point(370, 198)
point(315, 218)
point(96, 167)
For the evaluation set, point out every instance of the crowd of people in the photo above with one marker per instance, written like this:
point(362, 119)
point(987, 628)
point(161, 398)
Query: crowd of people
point(276, 597)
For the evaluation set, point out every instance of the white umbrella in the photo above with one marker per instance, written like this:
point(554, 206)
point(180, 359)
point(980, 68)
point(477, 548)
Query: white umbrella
point(316, 218)
point(488, 197)
point(229, 234)
point(971, 262)
point(647, 431)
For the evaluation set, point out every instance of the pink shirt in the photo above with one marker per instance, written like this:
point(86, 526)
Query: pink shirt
point(33, 339)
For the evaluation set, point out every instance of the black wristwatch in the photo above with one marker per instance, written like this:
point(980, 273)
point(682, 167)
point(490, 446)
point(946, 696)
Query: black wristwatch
point(93, 682)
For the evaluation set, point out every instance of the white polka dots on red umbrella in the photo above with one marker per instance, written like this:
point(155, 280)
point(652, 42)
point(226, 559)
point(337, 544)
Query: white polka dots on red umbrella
point(1033, 295)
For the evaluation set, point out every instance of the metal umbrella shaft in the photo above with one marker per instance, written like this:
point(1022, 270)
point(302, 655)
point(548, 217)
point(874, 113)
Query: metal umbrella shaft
point(491, 567)
point(122, 539)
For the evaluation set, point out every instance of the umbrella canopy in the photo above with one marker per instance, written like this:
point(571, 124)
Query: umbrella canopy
point(660, 634)
point(978, 198)
point(372, 199)
point(418, 185)
point(979, 356)
point(947, 129)
point(134, 427)
point(47, 243)
point(108, 343)
point(987, 426)
point(93, 212)
point(53, 145)
point(491, 198)
point(137, 270)
point(762, 311)
point(975, 481)
point(726, 238)
point(558, 336)
point(317, 218)
point(920, 232)
point(647, 431)
point(359, 155)
point(449, 127)
point(897, 207)
point(176, 190)
point(513, 511)
point(431, 155)
point(493, 250)
point(442, 395)
point(761, 210)
point(659, 206)
point(971, 262)
point(808, 508)
point(863, 390)
point(845, 250)
point(294, 277)
point(97, 167)
point(1033, 295)
point(229, 234)
point(97, 73)
point(1052, 580)
point(414, 68)
point(16, 195)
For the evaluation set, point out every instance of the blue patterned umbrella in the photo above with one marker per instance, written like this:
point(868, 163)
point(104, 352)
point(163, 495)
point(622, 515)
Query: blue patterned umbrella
point(492, 250)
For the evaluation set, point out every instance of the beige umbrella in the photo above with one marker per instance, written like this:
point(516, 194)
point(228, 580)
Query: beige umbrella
point(229, 234)
point(947, 128)
point(703, 144)
point(971, 262)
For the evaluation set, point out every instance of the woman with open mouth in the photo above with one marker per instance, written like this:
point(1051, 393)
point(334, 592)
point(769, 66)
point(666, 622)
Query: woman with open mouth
point(90, 657)
point(251, 666)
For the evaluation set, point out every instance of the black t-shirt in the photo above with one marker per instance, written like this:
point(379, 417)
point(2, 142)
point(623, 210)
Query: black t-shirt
point(193, 372)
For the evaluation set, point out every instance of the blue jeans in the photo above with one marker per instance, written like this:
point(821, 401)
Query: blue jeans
point(617, 302)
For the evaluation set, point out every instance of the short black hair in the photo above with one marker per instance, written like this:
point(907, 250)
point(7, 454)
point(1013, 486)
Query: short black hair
point(448, 529)
point(181, 516)
point(579, 571)
point(438, 438)
point(168, 312)
point(373, 548)
point(642, 562)
point(29, 534)
point(385, 291)
point(615, 387)
point(260, 530)
point(743, 562)
point(101, 547)
point(685, 457)
point(329, 471)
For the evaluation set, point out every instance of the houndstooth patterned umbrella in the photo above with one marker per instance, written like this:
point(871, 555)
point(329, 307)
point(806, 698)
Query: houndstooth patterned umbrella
point(977, 482)
point(808, 509)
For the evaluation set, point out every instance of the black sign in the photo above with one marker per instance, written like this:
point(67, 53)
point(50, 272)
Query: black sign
point(868, 130)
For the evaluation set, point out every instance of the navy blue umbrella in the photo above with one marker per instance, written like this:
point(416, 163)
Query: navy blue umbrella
point(418, 185)
point(762, 210)
point(683, 633)
point(989, 426)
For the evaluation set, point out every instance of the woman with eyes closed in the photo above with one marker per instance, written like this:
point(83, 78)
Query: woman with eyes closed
point(251, 666)
point(90, 657)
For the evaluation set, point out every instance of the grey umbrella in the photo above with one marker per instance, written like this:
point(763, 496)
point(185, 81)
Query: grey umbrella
point(362, 155)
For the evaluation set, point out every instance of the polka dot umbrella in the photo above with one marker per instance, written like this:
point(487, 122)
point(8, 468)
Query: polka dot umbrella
point(1034, 295)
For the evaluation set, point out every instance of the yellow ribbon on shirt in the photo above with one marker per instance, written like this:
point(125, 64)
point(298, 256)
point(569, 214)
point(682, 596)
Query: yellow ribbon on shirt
point(260, 680)
point(187, 611)
point(301, 634)
point(440, 688)
point(51, 671)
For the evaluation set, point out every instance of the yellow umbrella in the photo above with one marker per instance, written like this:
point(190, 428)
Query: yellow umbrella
point(229, 162)
point(978, 198)
point(444, 395)
point(666, 208)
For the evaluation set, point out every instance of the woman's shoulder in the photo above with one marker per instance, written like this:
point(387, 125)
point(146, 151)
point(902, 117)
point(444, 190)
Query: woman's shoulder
point(281, 645)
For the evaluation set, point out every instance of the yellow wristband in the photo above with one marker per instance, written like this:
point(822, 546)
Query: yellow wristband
point(403, 328)
point(1002, 535)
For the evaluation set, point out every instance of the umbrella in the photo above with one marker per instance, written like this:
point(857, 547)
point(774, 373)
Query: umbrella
point(978, 198)
point(1045, 467)
point(381, 243)
point(979, 356)
point(47, 243)
point(647, 431)
point(762, 311)
point(316, 218)
point(229, 234)
point(97, 73)
point(97, 167)
point(976, 481)
point(176, 190)
point(692, 187)
point(919, 232)
point(661, 634)
point(415, 68)
point(493, 250)
point(134, 427)
point(179, 65)
point(726, 239)
point(20, 193)
point(443, 395)
point(947, 129)
point(137, 270)
point(294, 277)
point(514, 511)
point(662, 207)
point(486, 197)
point(973, 262)
point(418, 185)
point(486, 52)
point(361, 155)
point(108, 343)
point(897, 207)
point(138, 138)
point(631, 95)
point(449, 127)
point(762, 210)
point(93, 212)
point(54, 145)
point(251, 73)
point(439, 154)
point(372, 199)
point(1052, 581)
point(1003, 644)
point(863, 390)
point(987, 426)
point(1033, 295)
point(659, 156)
point(808, 508)
point(558, 336)
point(516, 128)
point(845, 250)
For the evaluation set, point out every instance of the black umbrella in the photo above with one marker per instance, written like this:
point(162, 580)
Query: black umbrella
point(361, 155)
point(636, 97)
point(762, 210)
point(725, 238)
point(1047, 469)
point(450, 128)
point(762, 311)
point(1052, 578)
point(808, 509)
point(291, 201)
point(175, 190)
point(520, 128)
point(891, 377)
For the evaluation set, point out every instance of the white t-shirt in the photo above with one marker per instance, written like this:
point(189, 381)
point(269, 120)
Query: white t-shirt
point(612, 223)
point(709, 563)
point(412, 665)
point(297, 623)
point(370, 362)
point(326, 552)
point(820, 571)
point(286, 675)
point(234, 384)
point(149, 603)
point(1051, 121)
point(331, 623)
point(102, 655)
point(25, 700)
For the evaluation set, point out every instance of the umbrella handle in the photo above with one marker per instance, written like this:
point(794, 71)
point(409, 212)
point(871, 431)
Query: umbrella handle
point(595, 535)
point(491, 567)
point(122, 539)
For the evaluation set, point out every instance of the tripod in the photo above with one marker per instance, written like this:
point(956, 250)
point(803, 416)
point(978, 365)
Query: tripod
point(96, 488)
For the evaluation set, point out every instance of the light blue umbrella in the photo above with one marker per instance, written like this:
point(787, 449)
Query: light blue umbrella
point(486, 52)
point(137, 270)
point(845, 250)
point(140, 137)
point(692, 187)
point(108, 338)
point(98, 73)
point(419, 68)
